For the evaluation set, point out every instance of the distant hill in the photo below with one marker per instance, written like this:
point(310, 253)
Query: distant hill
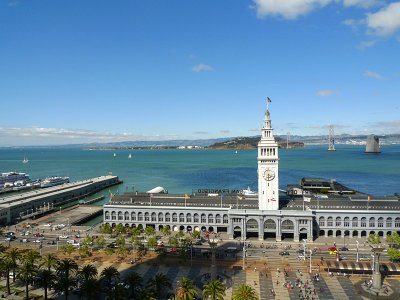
point(251, 143)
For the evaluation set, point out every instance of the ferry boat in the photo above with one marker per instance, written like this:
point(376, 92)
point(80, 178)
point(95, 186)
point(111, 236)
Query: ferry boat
point(11, 177)
point(248, 192)
point(52, 181)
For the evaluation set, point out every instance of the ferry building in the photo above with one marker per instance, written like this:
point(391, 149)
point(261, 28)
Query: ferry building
point(263, 216)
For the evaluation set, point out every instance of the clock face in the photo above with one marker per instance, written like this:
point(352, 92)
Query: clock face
point(269, 174)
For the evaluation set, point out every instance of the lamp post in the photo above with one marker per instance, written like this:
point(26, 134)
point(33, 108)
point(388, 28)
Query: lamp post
point(213, 242)
point(305, 248)
point(244, 255)
point(310, 261)
point(357, 258)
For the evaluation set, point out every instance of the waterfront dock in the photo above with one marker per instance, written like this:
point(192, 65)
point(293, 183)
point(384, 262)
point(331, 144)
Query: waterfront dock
point(33, 203)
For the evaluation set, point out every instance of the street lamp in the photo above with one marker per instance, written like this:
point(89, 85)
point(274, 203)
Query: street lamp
point(213, 242)
point(310, 261)
point(357, 250)
point(244, 255)
point(305, 248)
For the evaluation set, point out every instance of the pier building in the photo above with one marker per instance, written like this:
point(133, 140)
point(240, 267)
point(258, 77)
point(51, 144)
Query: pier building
point(16, 207)
point(340, 212)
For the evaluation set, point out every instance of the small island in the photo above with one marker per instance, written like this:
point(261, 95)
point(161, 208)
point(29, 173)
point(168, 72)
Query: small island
point(242, 143)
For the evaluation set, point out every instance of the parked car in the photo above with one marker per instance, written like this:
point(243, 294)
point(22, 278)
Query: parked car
point(344, 249)
point(364, 258)
point(284, 253)
point(24, 241)
point(63, 237)
point(38, 235)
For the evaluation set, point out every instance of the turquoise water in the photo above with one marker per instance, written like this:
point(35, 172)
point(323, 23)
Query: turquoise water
point(180, 171)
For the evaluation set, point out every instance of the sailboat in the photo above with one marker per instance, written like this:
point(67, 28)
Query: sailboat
point(25, 161)
point(235, 151)
point(129, 156)
point(115, 154)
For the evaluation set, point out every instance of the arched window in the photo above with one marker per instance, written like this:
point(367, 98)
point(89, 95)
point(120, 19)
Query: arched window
point(321, 221)
point(188, 218)
point(372, 222)
point(338, 221)
point(107, 215)
point(126, 216)
point(363, 222)
point(167, 217)
point(225, 219)
point(133, 216)
point(147, 216)
point(120, 217)
point(196, 218)
point(218, 219)
point(346, 222)
point(210, 218)
point(181, 218)
point(380, 222)
point(355, 222)
point(397, 222)
point(269, 224)
point(153, 217)
point(389, 222)
point(203, 218)
point(287, 225)
point(160, 217)
point(113, 215)
point(174, 217)
point(140, 216)
point(330, 221)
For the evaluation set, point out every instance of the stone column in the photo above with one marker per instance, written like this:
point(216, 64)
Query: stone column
point(296, 230)
point(244, 229)
point(278, 230)
point(376, 276)
point(261, 229)
point(230, 229)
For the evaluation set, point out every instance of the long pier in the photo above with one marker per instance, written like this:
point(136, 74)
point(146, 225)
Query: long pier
point(14, 207)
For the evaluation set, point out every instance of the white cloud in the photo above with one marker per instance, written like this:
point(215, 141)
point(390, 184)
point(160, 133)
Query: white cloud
point(288, 9)
point(373, 75)
point(56, 136)
point(384, 22)
point(225, 131)
point(368, 44)
point(361, 3)
point(386, 126)
point(202, 68)
point(200, 132)
point(324, 93)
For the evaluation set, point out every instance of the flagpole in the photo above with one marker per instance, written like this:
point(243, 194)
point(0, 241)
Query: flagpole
point(303, 203)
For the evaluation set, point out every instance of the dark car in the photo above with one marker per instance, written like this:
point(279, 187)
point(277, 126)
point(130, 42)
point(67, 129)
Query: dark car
point(344, 249)
point(284, 253)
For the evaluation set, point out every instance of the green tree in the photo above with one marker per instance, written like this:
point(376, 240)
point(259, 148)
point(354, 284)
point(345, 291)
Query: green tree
point(244, 292)
point(186, 290)
point(26, 271)
point(84, 250)
point(394, 254)
point(160, 283)
point(49, 261)
point(145, 295)
point(100, 241)
point(122, 249)
point(173, 242)
point(47, 278)
point(196, 234)
point(109, 250)
point(374, 239)
point(108, 275)
point(135, 281)
point(32, 256)
point(66, 272)
point(149, 231)
point(13, 255)
point(393, 239)
point(91, 289)
point(117, 292)
point(180, 234)
point(214, 290)
point(67, 249)
point(135, 231)
point(152, 242)
point(6, 265)
point(87, 272)
point(166, 231)
point(106, 228)
point(120, 229)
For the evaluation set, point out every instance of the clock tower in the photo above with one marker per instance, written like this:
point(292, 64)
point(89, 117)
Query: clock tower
point(267, 159)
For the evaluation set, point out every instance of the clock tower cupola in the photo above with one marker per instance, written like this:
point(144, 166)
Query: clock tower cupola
point(267, 158)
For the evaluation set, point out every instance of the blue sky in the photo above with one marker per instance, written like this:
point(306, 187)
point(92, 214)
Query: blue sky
point(99, 71)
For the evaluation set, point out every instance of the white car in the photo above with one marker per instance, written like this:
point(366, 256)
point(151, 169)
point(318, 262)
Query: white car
point(63, 237)
point(37, 241)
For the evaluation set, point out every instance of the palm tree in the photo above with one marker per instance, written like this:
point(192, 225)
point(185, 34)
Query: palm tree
point(49, 261)
point(90, 288)
point(118, 292)
point(135, 281)
point(6, 265)
point(214, 290)
point(159, 283)
point(25, 272)
point(14, 255)
point(87, 272)
point(32, 256)
point(185, 290)
point(145, 295)
point(66, 270)
point(109, 274)
point(244, 292)
point(46, 280)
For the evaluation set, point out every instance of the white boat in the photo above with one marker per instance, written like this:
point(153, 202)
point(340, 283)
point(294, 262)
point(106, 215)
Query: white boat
point(130, 156)
point(25, 161)
point(52, 181)
point(235, 151)
point(248, 192)
point(10, 177)
point(115, 154)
